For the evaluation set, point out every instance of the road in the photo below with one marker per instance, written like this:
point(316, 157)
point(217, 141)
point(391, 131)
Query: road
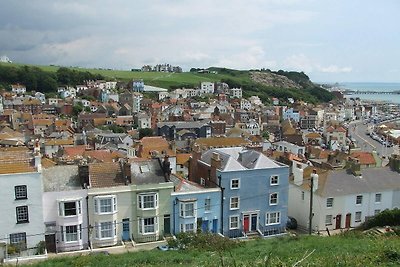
point(358, 130)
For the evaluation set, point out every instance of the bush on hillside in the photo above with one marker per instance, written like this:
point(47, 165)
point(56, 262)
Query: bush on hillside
point(385, 218)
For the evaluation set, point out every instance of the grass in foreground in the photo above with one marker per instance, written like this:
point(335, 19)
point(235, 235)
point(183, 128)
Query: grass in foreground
point(346, 250)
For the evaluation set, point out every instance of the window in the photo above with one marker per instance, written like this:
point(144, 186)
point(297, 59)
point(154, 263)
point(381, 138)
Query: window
point(71, 233)
point(207, 204)
point(302, 195)
point(234, 222)
point(358, 216)
point(107, 229)
point(18, 239)
point(22, 214)
point(234, 203)
point(70, 208)
point(273, 218)
point(21, 192)
point(328, 220)
point(274, 180)
point(329, 202)
point(189, 227)
point(148, 225)
point(378, 198)
point(359, 199)
point(376, 212)
point(273, 199)
point(202, 181)
point(148, 201)
point(235, 184)
point(104, 204)
point(188, 209)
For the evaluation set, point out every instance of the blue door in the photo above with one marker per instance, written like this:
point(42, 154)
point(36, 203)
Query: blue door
point(204, 226)
point(125, 229)
point(215, 226)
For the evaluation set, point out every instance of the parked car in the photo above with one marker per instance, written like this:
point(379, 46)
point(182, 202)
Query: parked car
point(291, 223)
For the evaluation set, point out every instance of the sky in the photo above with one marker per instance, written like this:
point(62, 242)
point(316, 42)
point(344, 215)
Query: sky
point(331, 41)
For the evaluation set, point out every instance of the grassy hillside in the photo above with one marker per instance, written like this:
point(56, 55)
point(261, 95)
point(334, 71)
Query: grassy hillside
point(347, 250)
point(234, 78)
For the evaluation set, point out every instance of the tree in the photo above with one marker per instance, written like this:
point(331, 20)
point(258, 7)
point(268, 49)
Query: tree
point(145, 132)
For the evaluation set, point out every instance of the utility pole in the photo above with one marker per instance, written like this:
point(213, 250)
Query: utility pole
point(311, 202)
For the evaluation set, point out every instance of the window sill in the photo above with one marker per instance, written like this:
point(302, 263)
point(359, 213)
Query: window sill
point(23, 222)
point(22, 198)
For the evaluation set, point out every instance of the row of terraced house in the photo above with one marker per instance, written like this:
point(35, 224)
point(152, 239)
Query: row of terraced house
point(230, 191)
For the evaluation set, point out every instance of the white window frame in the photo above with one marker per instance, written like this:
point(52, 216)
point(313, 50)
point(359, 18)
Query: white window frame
point(272, 179)
point(378, 195)
point(21, 192)
point(207, 205)
point(186, 212)
point(231, 222)
point(188, 227)
point(18, 239)
point(22, 214)
point(273, 218)
point(270, 198)
point(61, 207)
point(355, 216)
point(71, 236)
point(376, 212)
point(142, 225)
point(328, 219)
point(98, 207)
point(329, 202)
point(109, 227)
point(236, 186)
point(141, 201)
point(237, 203)
point(361, 199)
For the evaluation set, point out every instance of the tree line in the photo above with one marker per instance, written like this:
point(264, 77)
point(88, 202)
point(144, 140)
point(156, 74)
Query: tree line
point(36, 79)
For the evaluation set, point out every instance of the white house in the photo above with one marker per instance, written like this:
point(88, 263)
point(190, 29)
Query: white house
point(284, 146)
point(21, 207)
point(342, 198)
point(207, 87)
point(245, 104)
point(236, 92)
point(65, 210)
point(18, 88)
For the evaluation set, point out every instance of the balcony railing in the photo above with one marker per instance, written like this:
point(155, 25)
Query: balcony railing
point(236, 233)
point(149, 238)
point(272, 231)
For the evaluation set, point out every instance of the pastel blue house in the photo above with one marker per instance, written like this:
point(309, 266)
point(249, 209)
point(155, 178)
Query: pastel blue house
point(291, 114)
point(138, 86)
point(254, 189)
point(195, 207)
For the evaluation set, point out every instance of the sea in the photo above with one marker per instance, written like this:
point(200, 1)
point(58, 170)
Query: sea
point(374, 86)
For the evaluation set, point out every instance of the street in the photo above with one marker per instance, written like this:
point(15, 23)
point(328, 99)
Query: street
point(358, 130)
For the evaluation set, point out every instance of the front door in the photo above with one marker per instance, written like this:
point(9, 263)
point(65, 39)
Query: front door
point(246, 223)
point(204, 226)
point(348, 220)
point(215, 226)
point(253, 222)
point(338, 221)
point(50, 242)
point(125, 229)
point(167, 224)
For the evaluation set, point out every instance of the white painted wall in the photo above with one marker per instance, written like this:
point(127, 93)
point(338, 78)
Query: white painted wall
point(8, 222)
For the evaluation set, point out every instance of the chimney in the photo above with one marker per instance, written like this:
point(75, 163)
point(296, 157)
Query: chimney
point(83, 172)
point(394, 163)
point(298, 173)
point(315, 177)
point(166, 166)
point(215, 160)
point(193, 171)
point(38, 162)
point(355, 167)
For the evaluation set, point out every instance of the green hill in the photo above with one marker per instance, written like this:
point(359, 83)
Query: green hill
point(351, 249)
point(46, 78)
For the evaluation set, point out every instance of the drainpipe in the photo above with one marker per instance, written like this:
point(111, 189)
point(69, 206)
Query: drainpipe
point(88, 225)
point(174, 214)
point(222, 203)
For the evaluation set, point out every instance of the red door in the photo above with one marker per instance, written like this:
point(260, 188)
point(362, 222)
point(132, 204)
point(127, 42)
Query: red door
point(348, 220)
point(246, 221)
point(338, 221)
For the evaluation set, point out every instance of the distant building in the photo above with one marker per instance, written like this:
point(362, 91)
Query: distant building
point(138, 86)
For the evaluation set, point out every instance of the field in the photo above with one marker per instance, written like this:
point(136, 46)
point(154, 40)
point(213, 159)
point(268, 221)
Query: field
point(161, 79)
point(348, 250)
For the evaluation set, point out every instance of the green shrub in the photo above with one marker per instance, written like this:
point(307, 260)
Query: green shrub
point(385, 218)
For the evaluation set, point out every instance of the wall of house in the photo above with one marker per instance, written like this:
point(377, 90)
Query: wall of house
point(213, 215)
point(51, 215)
point(254, 195)
point(396, 199)
point(8, 223)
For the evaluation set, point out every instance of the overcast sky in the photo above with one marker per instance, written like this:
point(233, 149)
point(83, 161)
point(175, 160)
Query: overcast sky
point(341, 40)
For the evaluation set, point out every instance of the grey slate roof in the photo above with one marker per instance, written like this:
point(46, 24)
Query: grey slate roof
point(147, 172)
point(339, 183)
point(61, 178)
point(238, 158)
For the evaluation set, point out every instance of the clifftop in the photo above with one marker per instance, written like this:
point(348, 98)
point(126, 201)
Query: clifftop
point(273, 80)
